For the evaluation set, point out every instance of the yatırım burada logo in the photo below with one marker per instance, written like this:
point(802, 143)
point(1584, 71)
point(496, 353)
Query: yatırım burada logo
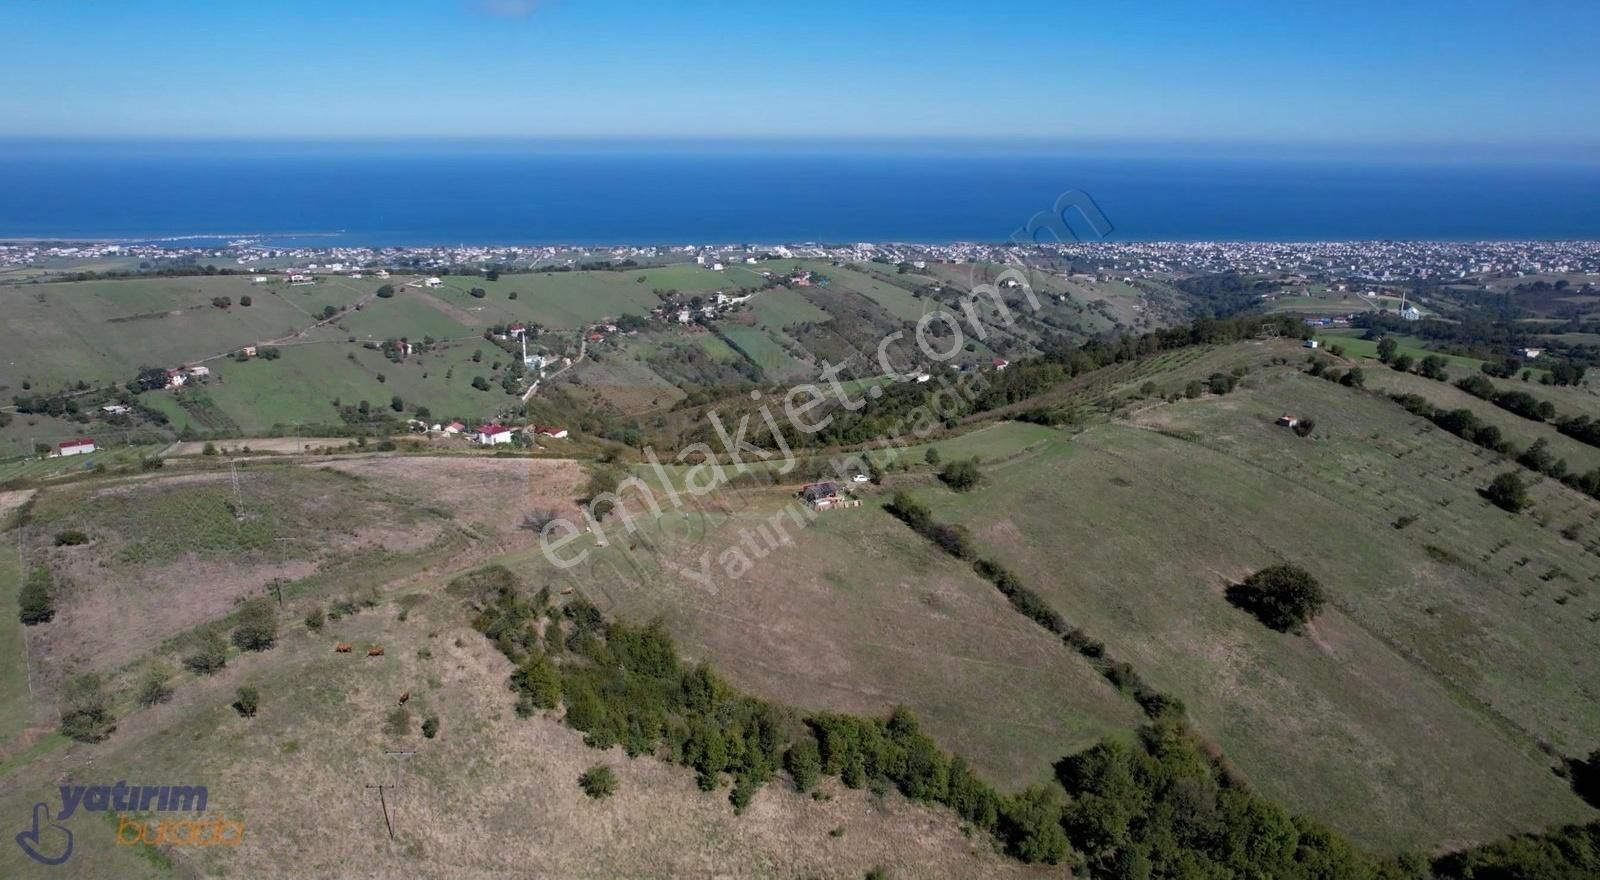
point(49, 842)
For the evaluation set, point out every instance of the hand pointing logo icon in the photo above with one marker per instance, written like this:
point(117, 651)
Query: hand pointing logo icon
point(29, 838)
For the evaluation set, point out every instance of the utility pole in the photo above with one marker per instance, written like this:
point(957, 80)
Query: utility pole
point(277, 582)
point(385, 804)
point(382, 787)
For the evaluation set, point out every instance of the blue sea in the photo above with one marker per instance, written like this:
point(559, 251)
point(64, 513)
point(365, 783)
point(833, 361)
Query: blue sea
point(636, 193)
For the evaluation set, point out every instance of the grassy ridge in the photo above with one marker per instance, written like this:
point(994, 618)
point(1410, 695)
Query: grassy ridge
point(1328, 725)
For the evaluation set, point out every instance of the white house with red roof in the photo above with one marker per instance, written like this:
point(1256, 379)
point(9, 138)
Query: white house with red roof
point(80, 446)
point(554, 432)
point(454, 428)
point(492, 434)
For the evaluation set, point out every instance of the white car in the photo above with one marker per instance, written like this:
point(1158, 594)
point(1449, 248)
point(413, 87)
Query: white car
point(860, 478)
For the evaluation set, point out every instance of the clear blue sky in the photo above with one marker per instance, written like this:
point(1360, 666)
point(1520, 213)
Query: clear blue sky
point(1444, 71)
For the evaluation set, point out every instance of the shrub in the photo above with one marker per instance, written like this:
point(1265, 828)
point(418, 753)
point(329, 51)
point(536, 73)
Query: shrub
point(1585, 777)
point(1402, 363)
point(1477, 386)
point(931, 456)
point(210, 449)
point(1221, 383)
point(1304, 427)
point(71, 538)
point(1507, 492)
point(430, 726)
point(598, 782)
point(804, 763)
point(36, 601)
point(156, 686)
point(257, 629)
point(386, 291)
point(536, 520)
point(246, 700)
point(1284, 597)
point(208, 653)
point(961, 475)
point(315, 618)
point(1031, 821)
point(85, 710)
point(1433, 367)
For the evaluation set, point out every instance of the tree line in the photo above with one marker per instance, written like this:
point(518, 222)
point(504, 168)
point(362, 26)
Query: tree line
point(1161, 807)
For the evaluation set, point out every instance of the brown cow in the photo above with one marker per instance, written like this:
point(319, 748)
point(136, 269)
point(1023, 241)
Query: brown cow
point(342, 647)
point(405, 696)
point(375, 651)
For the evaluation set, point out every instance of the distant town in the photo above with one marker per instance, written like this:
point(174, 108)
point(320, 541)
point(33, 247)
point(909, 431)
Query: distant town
point(1375, 261)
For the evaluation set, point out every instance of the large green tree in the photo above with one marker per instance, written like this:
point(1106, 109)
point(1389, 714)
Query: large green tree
point(1284, 597)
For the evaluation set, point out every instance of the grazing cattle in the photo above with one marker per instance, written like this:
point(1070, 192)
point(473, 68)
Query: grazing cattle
point(375, 651)
point(342, 648)
point(405, 696)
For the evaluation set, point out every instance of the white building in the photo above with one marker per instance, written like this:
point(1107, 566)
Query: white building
point(492, 435)
point(81, 446)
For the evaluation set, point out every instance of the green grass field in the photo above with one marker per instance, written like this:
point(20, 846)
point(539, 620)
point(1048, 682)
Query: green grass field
point(1523, 432)
point(36, 468)
point(103, 331)
point(1413, 711)
point(767, 354)
point(776, 309)
point(896, 300)
point(1356, 347)
point(990, 443)
point(410, 314)
point(853, 614)
point(299, 387)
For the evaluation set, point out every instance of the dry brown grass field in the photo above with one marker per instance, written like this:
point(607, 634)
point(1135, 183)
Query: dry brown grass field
point(490, 795)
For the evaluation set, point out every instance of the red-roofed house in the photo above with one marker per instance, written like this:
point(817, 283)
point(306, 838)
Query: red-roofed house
point(1001, 364)
point(454, 428)
point(551, 431)
point(492, 434)
point(80, 446)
